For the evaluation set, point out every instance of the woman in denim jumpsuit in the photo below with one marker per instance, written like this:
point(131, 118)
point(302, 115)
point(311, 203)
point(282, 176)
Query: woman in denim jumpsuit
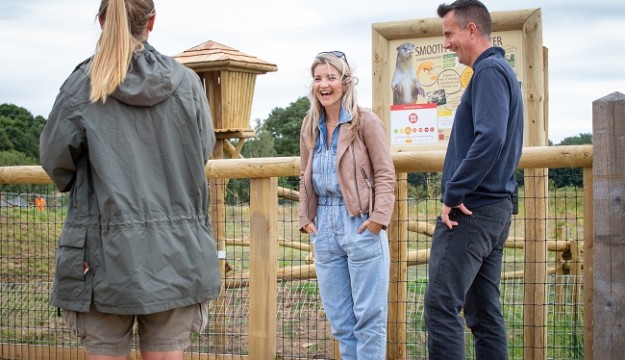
point(346, 200)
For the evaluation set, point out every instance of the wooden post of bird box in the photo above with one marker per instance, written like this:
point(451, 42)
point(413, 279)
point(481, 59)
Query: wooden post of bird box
point(229, 77)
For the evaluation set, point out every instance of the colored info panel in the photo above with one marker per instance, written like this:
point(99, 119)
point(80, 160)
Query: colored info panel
point(414, 124)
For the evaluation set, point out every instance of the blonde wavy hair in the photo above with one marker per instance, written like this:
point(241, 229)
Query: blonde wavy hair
point(123, 28)
point(348, 101)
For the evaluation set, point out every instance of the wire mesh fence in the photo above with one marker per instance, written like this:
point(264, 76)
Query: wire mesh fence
point(29, 231)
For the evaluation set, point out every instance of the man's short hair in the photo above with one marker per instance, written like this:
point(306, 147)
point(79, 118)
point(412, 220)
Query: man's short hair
point(466, 11)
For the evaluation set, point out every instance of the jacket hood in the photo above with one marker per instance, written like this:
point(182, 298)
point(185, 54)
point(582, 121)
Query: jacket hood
point(150, 79)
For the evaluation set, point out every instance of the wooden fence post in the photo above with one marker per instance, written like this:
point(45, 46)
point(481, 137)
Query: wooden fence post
point(536, 203)
point(588, 263)
point(397, 296)
point(217, 212)
point(263, 268)
point(608, 114)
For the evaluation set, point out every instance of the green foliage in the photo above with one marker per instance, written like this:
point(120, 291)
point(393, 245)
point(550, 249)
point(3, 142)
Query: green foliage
point(283, 125)
point(520, 178)
point(19, 130)
point(581, 139)
point(562, 177)
point(309, 288)
point(238, 191)
point(423, 186)
point(15, 158)
point(261, 146)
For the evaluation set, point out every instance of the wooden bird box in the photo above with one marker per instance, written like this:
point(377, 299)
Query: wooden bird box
point(229, 77)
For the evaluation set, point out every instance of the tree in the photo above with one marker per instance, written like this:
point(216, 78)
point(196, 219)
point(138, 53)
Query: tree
point(562, 177)
point(260, 146)
point(19, 130)
point(284, 126)
point(15, 158)
point(581, 139)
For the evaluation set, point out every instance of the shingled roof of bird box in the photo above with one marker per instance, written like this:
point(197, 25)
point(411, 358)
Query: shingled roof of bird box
point(230, 77)
point(212, 55)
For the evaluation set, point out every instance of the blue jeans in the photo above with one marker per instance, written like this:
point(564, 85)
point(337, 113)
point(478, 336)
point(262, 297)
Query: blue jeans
point(353, 274)
point(465, 273)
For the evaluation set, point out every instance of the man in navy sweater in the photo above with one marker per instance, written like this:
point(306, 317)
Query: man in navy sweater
point(477, 187)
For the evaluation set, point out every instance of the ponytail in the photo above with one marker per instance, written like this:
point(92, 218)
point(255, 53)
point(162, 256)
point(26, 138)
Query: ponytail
point(123, 22)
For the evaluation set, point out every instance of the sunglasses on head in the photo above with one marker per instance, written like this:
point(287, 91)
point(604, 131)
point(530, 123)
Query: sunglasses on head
point(335, 53)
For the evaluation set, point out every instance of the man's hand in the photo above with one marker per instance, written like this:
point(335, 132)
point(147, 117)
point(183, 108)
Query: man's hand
point(445, 214)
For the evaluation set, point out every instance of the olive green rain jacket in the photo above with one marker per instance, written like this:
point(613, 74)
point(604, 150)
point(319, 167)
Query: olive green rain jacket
point(137, 236)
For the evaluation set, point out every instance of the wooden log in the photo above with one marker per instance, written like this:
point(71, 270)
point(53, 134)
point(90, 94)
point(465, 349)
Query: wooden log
point(288, 194)
point(418, 257)
point(520, 274)
point(217, 207)
point(588, 264)
point(287, 273)
point(609, 226)
point(253, 168)
point(290, 244)
point(421, 227)
point(565, 156)
point(235, 153)
point(30, 174)
point(263, 268)
point(297, 272)
point(536, 200)
point(535, 264)
point(552, 245)
point(398, 293)
point(431, 27)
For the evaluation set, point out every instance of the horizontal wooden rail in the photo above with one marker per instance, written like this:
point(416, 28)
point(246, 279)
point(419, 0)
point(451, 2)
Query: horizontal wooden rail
point(412, 161)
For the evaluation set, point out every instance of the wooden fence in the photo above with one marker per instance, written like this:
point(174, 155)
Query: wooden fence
point(264, 190)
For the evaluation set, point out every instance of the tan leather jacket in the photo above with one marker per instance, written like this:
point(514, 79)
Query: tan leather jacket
point(365, 172)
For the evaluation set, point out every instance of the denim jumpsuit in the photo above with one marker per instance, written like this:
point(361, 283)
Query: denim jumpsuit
point(352, 269)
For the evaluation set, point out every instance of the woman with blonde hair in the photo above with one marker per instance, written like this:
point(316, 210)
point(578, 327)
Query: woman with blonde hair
point(346, 201)
point(129, 136)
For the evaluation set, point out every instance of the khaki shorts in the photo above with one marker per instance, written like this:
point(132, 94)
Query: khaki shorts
point(110, 334)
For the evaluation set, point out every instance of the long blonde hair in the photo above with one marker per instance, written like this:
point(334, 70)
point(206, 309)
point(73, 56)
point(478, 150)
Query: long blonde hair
point(123, 23)
point(348, 101)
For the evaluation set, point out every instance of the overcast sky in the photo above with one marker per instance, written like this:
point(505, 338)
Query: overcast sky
point(41, 41)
